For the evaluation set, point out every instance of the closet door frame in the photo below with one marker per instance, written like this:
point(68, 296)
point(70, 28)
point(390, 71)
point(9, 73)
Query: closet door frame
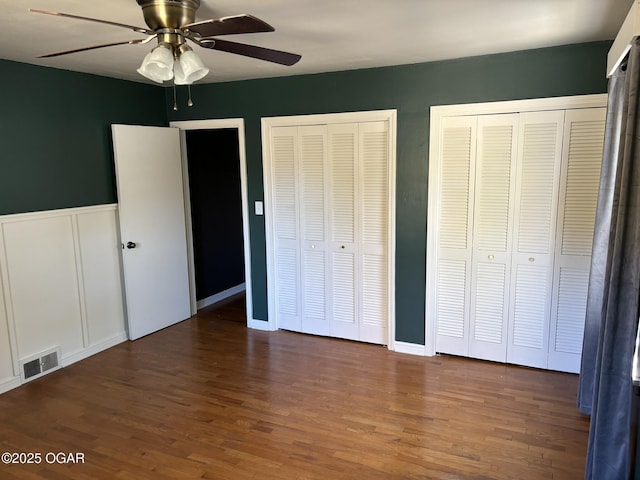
point(437, 114)
point(268, 123)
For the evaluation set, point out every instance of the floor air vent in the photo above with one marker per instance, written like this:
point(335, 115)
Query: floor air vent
point(40, 364)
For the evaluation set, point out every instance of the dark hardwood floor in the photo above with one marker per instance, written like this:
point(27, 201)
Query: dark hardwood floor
point(208, 398)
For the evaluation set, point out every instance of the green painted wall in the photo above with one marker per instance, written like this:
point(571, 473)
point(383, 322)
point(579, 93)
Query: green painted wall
point(56, 141)
point(55, 135)
point(412, 89)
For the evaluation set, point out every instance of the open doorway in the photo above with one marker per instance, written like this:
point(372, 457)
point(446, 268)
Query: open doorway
point(213, 161)
point(214, 171)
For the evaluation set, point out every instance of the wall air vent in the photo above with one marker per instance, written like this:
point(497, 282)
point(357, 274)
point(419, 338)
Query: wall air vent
point(39, 364)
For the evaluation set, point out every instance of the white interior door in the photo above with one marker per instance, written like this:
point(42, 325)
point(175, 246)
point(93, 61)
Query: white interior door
point(285, 227)
point(343, 159)
point(313, 219)
point(492, 230)
point(152, 227)
point(537, 184)
point(373, 230)
point(455, 224)
point(579, 185)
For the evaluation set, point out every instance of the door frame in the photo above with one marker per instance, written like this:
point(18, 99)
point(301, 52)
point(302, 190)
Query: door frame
point(216, 124)
point(268, 123)
point(437, 114)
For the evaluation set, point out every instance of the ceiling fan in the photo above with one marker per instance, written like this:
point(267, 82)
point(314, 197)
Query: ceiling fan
point(172, 23)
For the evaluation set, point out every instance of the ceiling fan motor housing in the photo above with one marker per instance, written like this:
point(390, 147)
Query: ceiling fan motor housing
point(169, 14)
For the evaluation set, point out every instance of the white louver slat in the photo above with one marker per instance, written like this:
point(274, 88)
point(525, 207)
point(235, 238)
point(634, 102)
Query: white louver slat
point(313, 287)
point(343, 154)
point(493, 185)
point(537, 190)
point(312, 157)
point(571, 308)
point(288, 282)
point(284, 182)
point(452, 298)
point(455, 180)
point(582, 180)
point(374, 291)
point(489, 304)
point(529, 311)
point(373, 172)
point(344, 284)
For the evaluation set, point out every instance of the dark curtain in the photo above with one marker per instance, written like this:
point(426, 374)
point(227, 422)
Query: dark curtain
point(612, 307)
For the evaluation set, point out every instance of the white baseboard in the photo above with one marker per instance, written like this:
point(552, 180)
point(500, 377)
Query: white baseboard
point(410, 348)
point(218, 297)
point(9, 384)
point(260, 325)
point(93, 349)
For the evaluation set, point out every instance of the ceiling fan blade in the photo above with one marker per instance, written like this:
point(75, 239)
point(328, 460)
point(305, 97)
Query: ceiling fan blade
point(261, 53)
point(242, 23)
point(89, 19)
point(93, 47)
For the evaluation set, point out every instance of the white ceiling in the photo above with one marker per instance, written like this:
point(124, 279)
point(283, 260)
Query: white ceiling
point(330, 35)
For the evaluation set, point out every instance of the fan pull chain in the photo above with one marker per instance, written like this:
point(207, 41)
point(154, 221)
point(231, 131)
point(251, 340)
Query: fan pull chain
point(175, 100)
point(189, 102)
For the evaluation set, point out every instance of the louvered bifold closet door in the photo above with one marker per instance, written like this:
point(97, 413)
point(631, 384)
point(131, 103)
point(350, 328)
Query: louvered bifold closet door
point(373, 220)
point(537, 184)
point(454, 245)
point(492, 231)
point(313, 219)
point(582, 158)
point(343, 155)
point(284, 175)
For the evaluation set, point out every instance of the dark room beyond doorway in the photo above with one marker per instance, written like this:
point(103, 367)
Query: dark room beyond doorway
point(216, 210)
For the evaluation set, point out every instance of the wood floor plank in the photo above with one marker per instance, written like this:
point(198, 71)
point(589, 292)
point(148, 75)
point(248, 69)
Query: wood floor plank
point(210, 399)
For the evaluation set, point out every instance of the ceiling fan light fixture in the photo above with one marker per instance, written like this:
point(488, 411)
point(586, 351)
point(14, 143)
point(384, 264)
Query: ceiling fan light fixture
point(188, 68)
point(158, 64)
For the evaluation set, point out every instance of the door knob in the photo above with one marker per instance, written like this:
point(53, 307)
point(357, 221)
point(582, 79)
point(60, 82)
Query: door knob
point(131, 245)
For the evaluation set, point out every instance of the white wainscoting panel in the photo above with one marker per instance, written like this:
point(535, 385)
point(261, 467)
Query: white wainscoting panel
point(43, 284)
point(61, 286)
point(7, 378)
point(98, 238)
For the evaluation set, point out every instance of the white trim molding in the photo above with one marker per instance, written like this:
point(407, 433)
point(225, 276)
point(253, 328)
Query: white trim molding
point(622, 44)
point(93, 349)
point(220, 296)
point(237, 123)
point(262, 325)
point(410, 348)
point(438, 113)
point(9, 384)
